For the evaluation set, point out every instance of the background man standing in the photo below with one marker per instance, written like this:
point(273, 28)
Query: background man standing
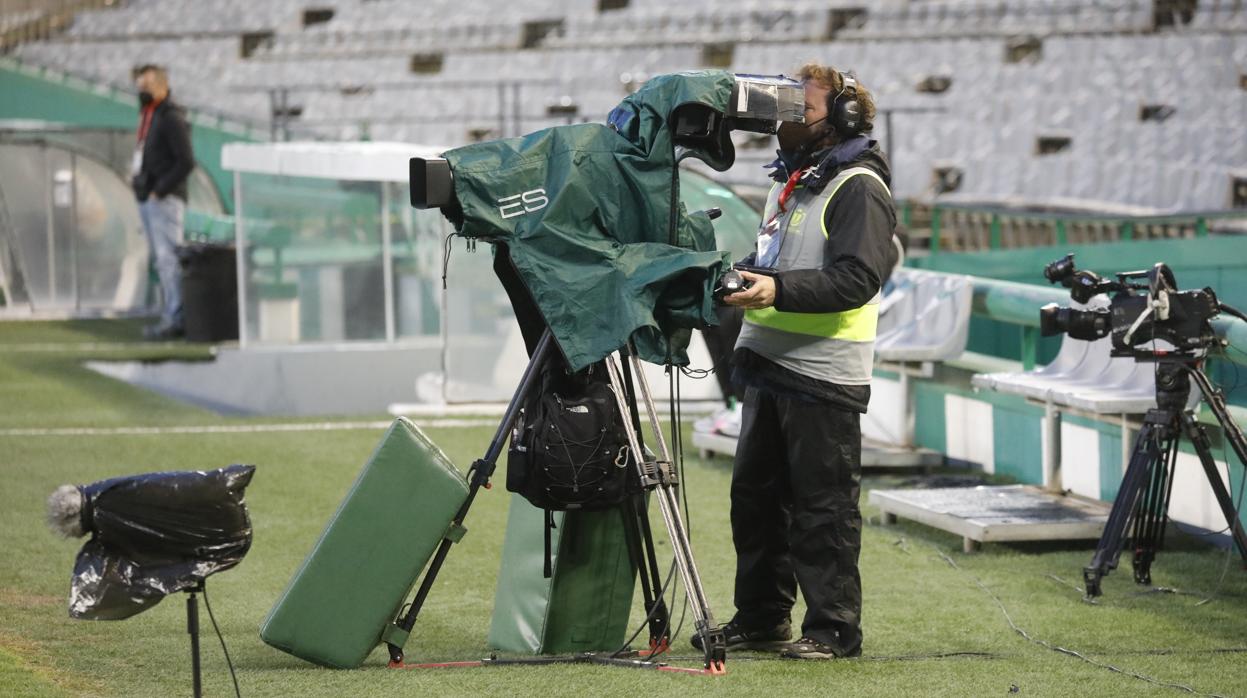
point(163, 159)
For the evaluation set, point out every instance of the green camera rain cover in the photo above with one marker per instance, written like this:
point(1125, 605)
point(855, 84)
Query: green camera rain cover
point(592, 218)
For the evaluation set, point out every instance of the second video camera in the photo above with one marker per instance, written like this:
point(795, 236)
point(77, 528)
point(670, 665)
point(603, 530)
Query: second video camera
point(1145, 306)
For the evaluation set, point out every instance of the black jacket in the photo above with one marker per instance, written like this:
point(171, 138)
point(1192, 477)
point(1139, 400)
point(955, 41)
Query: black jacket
point(859, 257)
point(167, 155)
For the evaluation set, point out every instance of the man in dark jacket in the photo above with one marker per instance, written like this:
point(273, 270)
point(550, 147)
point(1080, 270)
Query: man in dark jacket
point(805, 356)
point(163, 160)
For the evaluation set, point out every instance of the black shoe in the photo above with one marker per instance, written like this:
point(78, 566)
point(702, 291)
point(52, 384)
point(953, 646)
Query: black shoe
point(157, 333)
point(807, 648)
point(737, 637)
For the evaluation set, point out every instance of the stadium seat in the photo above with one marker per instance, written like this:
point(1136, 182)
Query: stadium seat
point(1098, 63)
point(926, 317)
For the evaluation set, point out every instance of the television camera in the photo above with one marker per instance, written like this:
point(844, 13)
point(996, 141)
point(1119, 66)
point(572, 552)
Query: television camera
point(1146, 306)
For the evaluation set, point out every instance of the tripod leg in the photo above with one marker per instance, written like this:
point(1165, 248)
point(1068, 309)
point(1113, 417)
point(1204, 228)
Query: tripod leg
point(632, 404)
point(661, 477)
point(713, 640)
point(641, 548)
point(1152, 509)
point(192, 628)
point(479, 475)
point(1142, 460)
point(1203, 448)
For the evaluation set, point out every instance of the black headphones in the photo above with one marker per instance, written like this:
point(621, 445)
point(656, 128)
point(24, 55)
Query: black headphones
point(844, 112)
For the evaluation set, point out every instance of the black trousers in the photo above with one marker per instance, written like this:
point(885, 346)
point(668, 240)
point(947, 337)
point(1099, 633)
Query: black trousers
point(795, 517)
point(720, 341)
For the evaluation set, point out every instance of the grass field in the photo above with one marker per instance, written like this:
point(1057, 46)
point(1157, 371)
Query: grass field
point(937, 621)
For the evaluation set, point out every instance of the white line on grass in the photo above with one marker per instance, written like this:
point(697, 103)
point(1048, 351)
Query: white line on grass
point(240, 428)
point(59, 347)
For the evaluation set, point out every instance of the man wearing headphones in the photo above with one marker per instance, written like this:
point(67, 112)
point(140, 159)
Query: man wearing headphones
point(804, 357)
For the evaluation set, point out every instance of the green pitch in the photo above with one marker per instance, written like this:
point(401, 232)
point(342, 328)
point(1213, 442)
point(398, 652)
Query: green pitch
point(935, 618)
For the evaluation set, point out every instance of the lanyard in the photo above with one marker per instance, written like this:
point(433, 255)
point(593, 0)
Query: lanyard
point(784, 195)
point(145, 123)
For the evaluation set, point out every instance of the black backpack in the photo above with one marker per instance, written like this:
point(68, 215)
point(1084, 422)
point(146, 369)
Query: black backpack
point(569, 450)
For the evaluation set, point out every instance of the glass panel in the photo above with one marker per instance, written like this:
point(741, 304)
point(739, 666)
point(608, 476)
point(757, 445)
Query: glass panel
point(416, 242)
point(74, 240)
point(314, 271)
point(63, 253)
point(24, 185)
point(202, 194)
point(484, 353)
point(111, 250)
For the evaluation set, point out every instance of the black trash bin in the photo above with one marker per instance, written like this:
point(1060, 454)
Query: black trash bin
point(209, 292)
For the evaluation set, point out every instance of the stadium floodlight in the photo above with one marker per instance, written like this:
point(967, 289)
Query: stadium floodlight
point(152, 535)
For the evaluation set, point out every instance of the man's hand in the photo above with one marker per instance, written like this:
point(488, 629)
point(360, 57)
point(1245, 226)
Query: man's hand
point(761, 294)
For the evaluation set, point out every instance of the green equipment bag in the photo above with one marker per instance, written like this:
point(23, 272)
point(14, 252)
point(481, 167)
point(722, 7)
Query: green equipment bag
point(344, 598)
point(584, 605)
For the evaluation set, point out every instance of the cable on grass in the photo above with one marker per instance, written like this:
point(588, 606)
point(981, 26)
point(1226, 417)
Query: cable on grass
point(1064, 650)
point(228, 661)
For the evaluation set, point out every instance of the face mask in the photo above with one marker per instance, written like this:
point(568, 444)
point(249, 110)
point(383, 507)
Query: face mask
point(792, 136)
point(146, 98)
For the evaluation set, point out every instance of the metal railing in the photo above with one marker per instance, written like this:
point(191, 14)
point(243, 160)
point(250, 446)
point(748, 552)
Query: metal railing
point(966, 228)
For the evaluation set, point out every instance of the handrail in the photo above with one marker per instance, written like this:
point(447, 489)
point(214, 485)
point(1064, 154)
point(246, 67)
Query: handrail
point(1012, 302)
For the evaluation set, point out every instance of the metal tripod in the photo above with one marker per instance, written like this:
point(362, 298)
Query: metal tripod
point(1142, 503)
point(657, 474)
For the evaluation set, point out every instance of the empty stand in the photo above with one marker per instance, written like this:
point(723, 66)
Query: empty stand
point(981, 88)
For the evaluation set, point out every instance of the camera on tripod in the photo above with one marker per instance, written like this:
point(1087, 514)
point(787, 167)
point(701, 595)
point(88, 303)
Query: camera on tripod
point(1146, 306)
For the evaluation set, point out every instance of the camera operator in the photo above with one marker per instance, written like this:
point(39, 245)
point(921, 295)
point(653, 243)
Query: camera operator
point(804, 357)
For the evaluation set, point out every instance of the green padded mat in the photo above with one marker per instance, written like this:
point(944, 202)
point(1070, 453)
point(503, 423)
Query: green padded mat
point(360, 571)
point(584, 607)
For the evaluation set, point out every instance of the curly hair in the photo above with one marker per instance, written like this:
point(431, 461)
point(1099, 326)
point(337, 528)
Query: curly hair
point(832, 79)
